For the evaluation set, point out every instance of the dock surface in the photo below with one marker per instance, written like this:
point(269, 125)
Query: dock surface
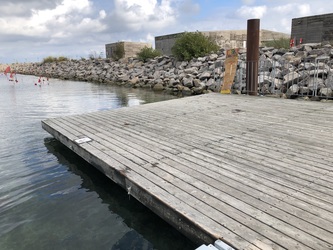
point(255, 172)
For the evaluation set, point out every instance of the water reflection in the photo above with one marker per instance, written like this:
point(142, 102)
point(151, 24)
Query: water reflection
point(133, 213)
point(132, 240)
point(52, 199)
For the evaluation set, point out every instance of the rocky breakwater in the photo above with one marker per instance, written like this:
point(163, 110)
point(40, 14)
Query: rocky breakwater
point(161, 73)
point(305, 70)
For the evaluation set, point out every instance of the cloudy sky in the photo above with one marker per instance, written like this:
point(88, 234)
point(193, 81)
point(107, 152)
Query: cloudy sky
point(31, 30)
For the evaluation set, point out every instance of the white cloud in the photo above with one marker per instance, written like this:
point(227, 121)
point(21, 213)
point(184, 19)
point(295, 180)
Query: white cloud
point(66, 27)
point(304, 9)
point(143, 15)
point(102, 14)
point(38, 24)
point(284, 9)
point(252, 12)
point(50, 27)
point(150, 39)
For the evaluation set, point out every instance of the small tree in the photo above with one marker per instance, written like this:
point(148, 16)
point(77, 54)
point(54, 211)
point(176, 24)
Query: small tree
point(119, 51)
point(147, 53)
point(193, 44)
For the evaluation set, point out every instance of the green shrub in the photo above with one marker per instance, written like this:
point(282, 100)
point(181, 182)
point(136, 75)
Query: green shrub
point(278, 43)
point(119, 51)
point(192, 45)
point(147, 53)
point(51, 59)
point(62, 59)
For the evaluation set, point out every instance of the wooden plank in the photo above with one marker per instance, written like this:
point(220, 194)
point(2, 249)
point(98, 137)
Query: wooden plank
point(131, 135)
point(174, 192)
point(146, 141)
point(251, 212)
point(315, 149)
point(157, 160)
point(311, 180)
point(114, 159)
point(229, 167)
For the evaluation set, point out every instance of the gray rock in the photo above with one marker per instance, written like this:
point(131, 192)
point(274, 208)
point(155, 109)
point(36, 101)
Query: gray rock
point(192, 70)
point(276, 73)
point(292, 77)
point(174, 82)
point(123, 78)
point(317, 72)
point(308, 66)
point(213, 85)
point(158, 87)
point(265, 49)
point(212, 57)
point(157, 74)
point(329, 81)
point(276, 83)
point(198, 90)
point(134, 80)
point(197, 64)
point(326, 92)
point(314, 83)
point(186, 91)
point(294, 89)
point(316, 52)
point(201, 59)
point(205, 75)
point(198, 84)
point(188, 82)
point(163, 62)
point(209, 82)
point(277, 57)
point(181, 65)
point(304, 90)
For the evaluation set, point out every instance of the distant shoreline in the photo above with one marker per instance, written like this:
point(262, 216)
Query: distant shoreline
point(298, 72)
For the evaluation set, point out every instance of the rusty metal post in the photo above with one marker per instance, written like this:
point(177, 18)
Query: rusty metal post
point(252, 57)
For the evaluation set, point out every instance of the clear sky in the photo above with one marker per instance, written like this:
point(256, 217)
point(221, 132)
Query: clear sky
point(31, 30)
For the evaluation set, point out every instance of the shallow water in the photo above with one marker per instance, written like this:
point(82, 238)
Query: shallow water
point(52, 199)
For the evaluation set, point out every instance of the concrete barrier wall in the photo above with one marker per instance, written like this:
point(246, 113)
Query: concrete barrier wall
point(312, 29)
point(226, 39)
point(130, 48)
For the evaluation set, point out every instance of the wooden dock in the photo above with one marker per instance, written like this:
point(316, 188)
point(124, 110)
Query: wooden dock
point(255, 172)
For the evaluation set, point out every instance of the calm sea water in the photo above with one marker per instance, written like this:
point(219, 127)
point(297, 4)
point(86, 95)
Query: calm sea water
point(52, 199)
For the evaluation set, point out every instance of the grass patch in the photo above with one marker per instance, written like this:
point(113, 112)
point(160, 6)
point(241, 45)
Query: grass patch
point(51, 59)
point(282, 43)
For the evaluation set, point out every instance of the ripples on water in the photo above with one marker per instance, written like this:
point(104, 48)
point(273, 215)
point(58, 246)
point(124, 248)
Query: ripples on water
point(52, 199)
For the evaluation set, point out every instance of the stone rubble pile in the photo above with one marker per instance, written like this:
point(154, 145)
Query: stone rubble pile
point(306, 70)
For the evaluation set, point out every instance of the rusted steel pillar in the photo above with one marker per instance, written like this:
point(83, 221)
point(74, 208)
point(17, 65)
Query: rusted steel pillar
point(252, 56)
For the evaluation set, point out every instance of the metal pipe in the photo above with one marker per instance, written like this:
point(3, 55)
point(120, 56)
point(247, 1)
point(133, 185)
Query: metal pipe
point(252, 58)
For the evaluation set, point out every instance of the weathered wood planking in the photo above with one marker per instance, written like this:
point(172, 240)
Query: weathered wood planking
point(256, 172)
